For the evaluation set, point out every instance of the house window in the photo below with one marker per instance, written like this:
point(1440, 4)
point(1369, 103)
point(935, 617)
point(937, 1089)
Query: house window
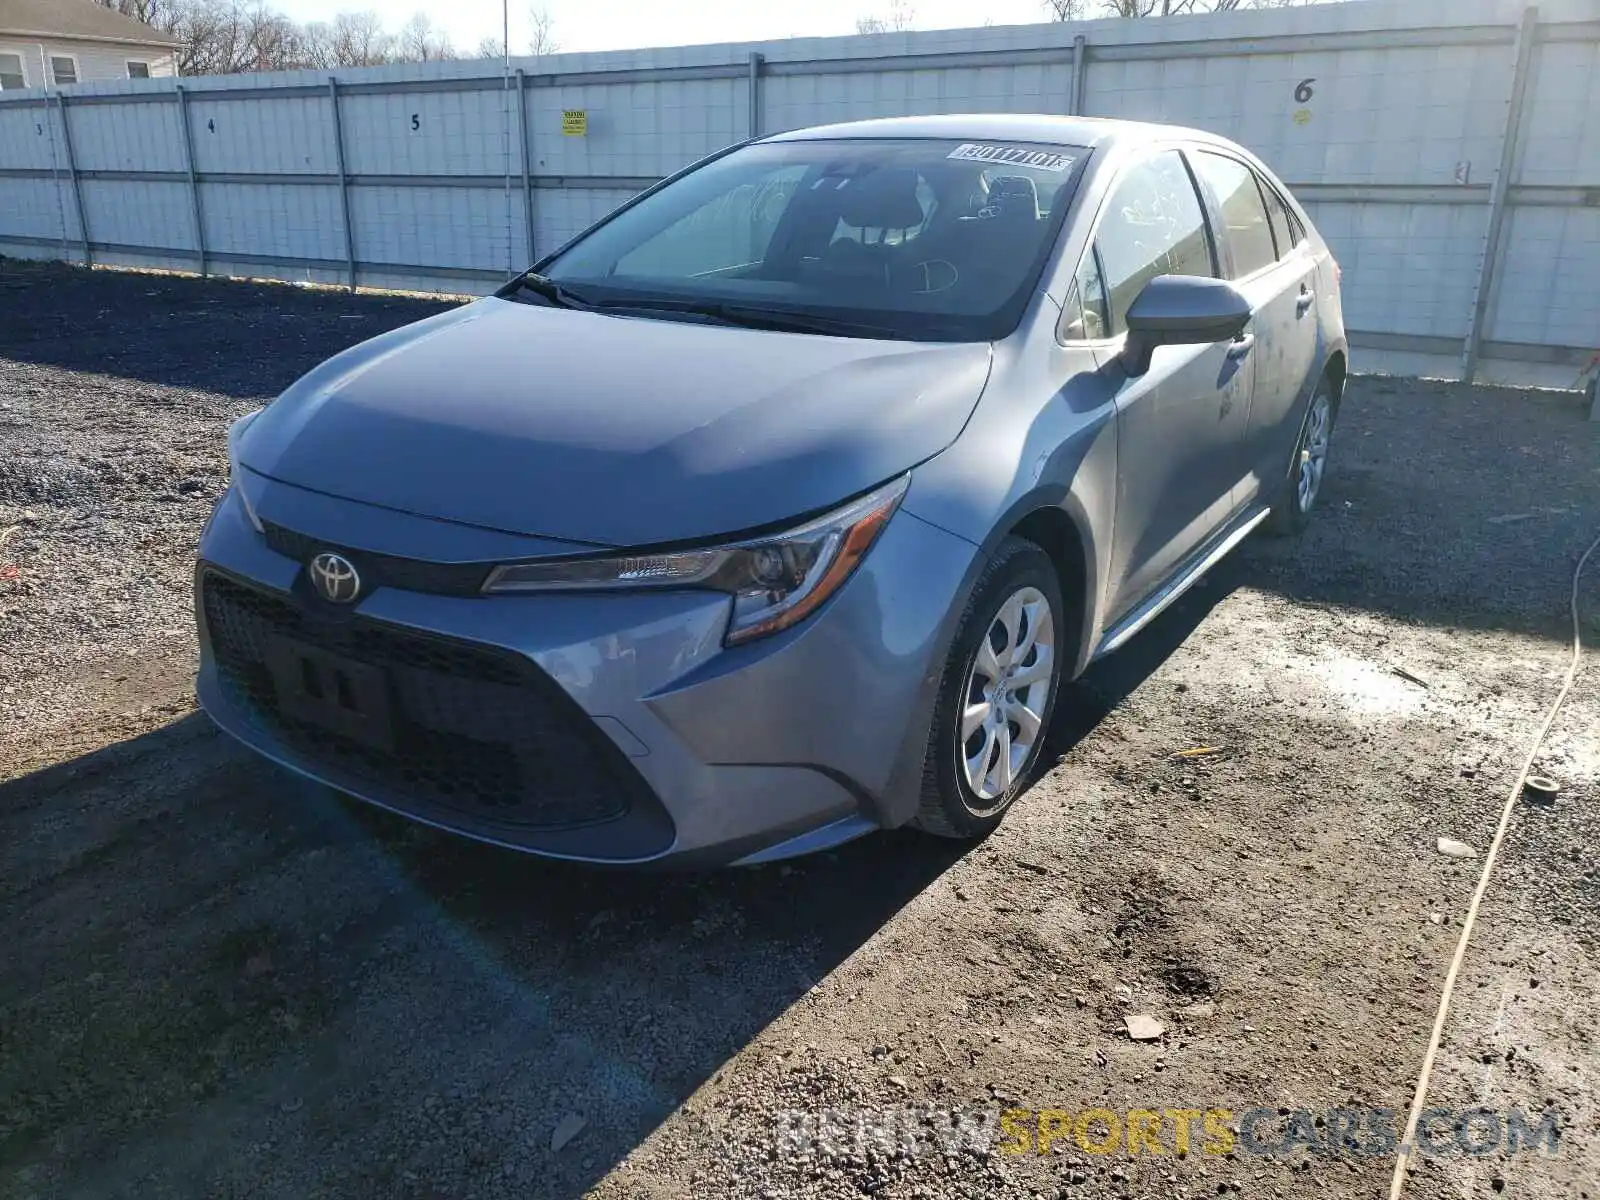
point(63, 69)
point(11, 72)
point(138, 70)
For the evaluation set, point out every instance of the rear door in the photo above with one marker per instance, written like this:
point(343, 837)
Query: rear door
point(1275, 417)
point(1181, 424)
point(1275, 270)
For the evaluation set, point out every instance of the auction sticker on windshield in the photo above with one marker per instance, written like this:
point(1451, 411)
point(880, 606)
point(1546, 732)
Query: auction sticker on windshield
point(1012, 156)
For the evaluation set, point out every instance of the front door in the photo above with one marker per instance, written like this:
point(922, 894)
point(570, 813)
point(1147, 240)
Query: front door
point(1180, 426)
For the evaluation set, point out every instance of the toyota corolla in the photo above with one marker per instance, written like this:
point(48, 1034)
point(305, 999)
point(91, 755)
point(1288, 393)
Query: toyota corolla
point(779, 506)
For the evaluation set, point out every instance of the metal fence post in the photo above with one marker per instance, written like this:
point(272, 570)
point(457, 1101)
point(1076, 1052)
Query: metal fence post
point(1522, 55)
point(194, 181)
point(1080, 59)
point(344, 180)
point(55, 174)
point(527, 164)
point(755, 93)
point(77, 184)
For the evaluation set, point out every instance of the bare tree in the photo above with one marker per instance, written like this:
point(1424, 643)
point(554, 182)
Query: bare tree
point(542, 35)
point(218, 38)
point(490, 47)
point(1078, 10)
point(900, 17)
point(360, 40)
point(224, 36)
point(316, 46)
point(151, 12)
point(272, 41)
point(421, 41)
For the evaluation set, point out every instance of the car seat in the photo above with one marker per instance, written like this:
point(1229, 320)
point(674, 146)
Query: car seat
point(881, 200)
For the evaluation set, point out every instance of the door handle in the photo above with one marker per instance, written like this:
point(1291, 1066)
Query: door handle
point(1304, 301)
point(1240, 346)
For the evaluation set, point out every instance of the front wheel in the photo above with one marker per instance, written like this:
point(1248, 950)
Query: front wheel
point(1292, 509)
point(996, 696)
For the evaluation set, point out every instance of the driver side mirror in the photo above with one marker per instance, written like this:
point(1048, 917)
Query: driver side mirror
point(1181, 310)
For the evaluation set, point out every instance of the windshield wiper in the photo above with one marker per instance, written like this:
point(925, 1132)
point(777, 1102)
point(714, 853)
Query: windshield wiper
point(756, 318)
point(543, 286)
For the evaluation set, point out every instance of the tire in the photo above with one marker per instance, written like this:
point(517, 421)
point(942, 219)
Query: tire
point(1019, 584)
point(1297, 498)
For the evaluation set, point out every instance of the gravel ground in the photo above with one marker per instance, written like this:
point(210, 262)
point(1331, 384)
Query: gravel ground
point(222, 981)
point(117, 392)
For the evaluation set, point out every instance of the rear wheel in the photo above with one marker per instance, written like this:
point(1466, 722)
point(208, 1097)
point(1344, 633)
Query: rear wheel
point(996, 696)
point(1292, 509)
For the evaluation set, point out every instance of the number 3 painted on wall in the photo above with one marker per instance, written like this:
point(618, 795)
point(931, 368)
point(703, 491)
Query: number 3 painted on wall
point(1302, 90)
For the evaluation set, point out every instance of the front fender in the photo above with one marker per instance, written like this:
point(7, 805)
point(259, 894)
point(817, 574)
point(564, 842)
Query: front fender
point(1031, 445)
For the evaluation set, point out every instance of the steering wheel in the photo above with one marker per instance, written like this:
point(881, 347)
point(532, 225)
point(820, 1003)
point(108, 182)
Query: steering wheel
point(936, 275)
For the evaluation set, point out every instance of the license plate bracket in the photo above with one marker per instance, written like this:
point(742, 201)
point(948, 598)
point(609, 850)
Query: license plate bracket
point(335, 693)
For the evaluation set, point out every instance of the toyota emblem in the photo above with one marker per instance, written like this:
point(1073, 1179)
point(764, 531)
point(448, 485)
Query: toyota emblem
point(335, 578)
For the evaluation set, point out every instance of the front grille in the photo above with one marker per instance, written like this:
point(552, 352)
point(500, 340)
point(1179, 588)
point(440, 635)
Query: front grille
point(384, 570)
point(478, 732)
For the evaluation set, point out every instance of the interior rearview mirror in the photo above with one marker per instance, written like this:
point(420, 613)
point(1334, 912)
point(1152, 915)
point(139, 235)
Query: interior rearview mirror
point(1181, 310)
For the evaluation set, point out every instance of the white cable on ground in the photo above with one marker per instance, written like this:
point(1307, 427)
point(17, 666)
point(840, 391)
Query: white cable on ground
point(1397, 1182)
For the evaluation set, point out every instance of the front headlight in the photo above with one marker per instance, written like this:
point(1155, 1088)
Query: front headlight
point(775, 581)
point(234, 430)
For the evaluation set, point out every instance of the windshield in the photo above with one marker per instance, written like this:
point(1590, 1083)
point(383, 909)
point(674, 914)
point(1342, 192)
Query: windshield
point(913, 238)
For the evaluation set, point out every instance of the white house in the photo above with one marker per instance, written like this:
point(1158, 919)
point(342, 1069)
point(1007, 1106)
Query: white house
point(58, 42)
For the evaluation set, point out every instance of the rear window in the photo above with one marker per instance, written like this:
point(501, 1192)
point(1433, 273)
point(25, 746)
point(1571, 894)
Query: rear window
point(1285, 229)
point(1246, 228)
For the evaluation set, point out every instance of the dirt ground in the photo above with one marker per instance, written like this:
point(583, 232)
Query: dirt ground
point(217, 980)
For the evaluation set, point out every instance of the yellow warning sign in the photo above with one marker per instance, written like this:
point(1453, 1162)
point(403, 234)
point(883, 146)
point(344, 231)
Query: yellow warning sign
point(575, 122)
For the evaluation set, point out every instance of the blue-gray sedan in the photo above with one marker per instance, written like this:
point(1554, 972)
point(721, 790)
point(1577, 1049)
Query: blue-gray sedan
point(778, 506)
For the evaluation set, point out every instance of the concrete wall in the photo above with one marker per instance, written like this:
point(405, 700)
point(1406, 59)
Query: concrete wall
point(1389, 119)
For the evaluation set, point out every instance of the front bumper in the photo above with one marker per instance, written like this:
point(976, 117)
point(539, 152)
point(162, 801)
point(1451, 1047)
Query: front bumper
point(606, 728)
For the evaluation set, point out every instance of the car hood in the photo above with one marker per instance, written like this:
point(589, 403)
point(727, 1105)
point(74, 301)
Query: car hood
point(612, 430)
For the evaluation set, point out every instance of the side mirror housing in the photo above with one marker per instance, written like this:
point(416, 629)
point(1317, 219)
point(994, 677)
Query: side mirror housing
point(1181, 310)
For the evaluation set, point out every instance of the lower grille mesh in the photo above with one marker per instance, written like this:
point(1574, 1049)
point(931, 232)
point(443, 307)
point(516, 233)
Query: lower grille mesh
point(478, 731)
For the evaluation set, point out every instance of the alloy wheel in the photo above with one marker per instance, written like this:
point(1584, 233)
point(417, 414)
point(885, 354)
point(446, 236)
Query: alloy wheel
point(1007, 694)
point(1314, 449)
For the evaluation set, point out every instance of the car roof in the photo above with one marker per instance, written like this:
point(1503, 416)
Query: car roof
point(1016, 127)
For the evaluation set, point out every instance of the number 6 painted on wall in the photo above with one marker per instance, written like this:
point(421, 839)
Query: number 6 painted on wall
point(1302, 90)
